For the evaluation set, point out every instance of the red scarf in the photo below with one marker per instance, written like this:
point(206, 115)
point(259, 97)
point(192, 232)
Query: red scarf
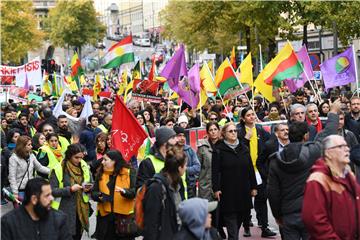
point(318, 126)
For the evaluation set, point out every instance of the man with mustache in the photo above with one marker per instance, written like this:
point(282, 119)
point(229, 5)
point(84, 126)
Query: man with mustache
point(35, 219)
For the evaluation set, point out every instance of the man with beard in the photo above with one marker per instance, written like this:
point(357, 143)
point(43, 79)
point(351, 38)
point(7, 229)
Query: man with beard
point(162, 110)
point(352, 119)
point(65, 136)
point(106, 123)
point(35, 219)
point(23, 125)
point(8, 117)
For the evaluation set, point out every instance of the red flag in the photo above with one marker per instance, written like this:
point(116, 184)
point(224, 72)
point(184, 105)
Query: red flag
point(127, 134)
point(152, 71)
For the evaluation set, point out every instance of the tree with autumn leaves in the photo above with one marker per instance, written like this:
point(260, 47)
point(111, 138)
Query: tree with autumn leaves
point(19, 32)
point(217, 25)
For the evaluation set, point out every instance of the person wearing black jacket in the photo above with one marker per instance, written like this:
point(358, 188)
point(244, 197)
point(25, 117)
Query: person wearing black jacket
point(290, 169)
point(352, 119)
point(248, 132)
point(162, 197)
point(233, 180)
point(35, 219)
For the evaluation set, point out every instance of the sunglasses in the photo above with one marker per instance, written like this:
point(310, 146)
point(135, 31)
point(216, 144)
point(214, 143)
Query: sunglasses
point(232, 131)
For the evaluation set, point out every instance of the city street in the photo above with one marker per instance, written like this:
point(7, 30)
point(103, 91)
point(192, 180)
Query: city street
point(255, 231)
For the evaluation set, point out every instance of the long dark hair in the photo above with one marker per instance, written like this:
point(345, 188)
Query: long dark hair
point(72, 150)
point(120, 163)
point(35, 141)
point(175, 158)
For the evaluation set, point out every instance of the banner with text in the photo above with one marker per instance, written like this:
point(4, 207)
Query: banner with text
point(30, 70)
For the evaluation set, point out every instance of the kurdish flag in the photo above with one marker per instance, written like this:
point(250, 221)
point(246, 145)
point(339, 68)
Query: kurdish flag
point(225, 77)
point(285, 65)
point(121, 52)
point(76, 69)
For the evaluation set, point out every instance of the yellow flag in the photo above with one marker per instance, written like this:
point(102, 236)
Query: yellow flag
point(129, 86)
point(97, 87)
point(72, 84)
point(265, 89)
point(121, 89)
point(246, 74)
point(82, 80)
point(211, 66)
point(173, 96)
point(206, 84)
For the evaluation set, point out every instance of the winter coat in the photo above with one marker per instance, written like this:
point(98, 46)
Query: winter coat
point(87, 138)
point(204, 153)
point(68, 198)
point(349, 137)
point(355, 160)
point(193, 214)
point(290, 169)
point(193, 166)
point(233, 174)
point(20, 168)
point(17, 224)
point(160, 217)
point(331, 208)
point(352, 125)
point(146, 169)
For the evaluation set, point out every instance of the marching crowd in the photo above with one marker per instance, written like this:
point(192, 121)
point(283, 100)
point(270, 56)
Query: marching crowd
point(306, 164)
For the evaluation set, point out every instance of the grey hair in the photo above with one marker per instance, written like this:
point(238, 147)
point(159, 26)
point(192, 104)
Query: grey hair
point(328, 143)
point(296, 106)
point(311, 105)
point(276, 128)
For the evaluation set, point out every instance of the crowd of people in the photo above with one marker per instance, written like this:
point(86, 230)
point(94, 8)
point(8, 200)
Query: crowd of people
point(306, 165)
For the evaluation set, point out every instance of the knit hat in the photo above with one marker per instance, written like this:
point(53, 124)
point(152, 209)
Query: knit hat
point(163, 134)
point(182, 119)
point(179, 130)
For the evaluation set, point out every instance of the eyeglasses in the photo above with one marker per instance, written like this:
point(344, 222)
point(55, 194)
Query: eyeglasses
point(232, 131)
point(338, 146)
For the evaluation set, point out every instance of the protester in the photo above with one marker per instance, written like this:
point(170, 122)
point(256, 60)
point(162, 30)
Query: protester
point(331, 208)
point(164, 137)
point(21, 167)
point(324, 108)
point(255, 137)
point(193, 164)
point(114, 190)
point(289, 171)
point(65, 136)
point(105, 126)
point(35, 219)
point(38, 141)
point(233, 179)
point(87, 138)
point(196, 220)
point(50, 153)
point(204, 152)
point(312, 117)
point(70, 183)
point(163, 197)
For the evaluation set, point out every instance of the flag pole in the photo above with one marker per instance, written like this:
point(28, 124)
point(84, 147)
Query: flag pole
point(200, 108)
point(237, 78)
point(356, 72)
point(218, 92)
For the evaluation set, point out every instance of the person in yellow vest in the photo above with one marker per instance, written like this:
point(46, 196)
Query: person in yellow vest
point(70, 183)
point(114, 190)
point(106, 123)
point(50, 153)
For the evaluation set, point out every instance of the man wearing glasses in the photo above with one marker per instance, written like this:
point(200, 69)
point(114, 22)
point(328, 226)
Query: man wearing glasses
point(331, 207)
point(290, 169)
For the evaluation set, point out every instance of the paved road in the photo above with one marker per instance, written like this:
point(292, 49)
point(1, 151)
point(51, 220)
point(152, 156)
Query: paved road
point(255, 231)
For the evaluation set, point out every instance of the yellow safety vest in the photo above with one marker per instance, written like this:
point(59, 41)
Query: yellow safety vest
point(32, 131)
point(158, 165)
point(52, 159)
point(103, 128)
point(64, 143)
point(59, 175)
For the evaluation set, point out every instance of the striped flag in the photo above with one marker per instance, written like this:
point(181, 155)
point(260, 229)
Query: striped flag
point(121, 52)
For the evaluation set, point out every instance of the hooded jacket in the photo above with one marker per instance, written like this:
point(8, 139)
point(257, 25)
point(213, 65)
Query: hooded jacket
point(331, 208)
point(290, 169)
point(87, 138)
point(193, 214)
